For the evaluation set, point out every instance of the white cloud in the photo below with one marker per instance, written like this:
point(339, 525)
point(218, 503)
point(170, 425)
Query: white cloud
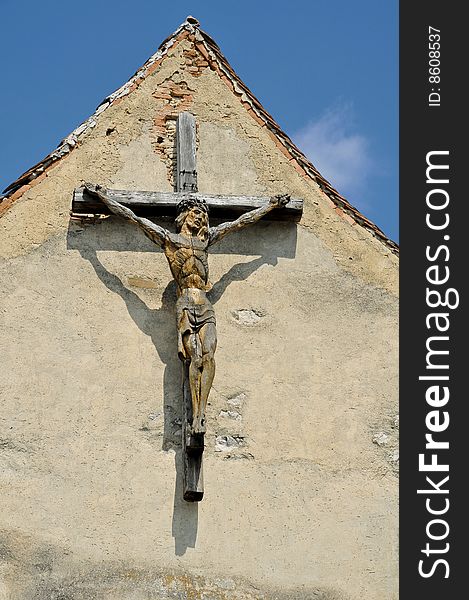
point(341, 155)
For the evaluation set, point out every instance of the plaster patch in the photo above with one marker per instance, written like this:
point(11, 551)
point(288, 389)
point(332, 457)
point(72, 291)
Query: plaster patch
point(230, 414)
point(224, 443)
point(381, 438)
point(248, 316)
point(237, 400)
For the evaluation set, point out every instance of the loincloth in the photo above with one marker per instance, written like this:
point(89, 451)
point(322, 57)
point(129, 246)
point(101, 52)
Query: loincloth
point(193, 311)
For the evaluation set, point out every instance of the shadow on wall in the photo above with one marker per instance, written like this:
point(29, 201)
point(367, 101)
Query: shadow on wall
point(35, 568)
point(270, 239)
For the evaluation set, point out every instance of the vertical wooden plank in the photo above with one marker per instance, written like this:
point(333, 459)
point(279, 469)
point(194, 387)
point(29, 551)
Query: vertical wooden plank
point(192, 448)
point(192, 452)
point(186, 153)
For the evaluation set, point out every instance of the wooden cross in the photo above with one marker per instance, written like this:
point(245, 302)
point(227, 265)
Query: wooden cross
point(89, 200)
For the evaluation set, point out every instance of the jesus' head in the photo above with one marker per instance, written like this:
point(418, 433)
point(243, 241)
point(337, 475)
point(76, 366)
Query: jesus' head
point(192, 217)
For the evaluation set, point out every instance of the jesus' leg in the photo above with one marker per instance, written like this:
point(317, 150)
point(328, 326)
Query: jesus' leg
point(208, 338)
point(193, 348)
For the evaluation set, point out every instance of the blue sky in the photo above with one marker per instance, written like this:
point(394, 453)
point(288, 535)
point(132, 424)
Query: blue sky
point(327, 71)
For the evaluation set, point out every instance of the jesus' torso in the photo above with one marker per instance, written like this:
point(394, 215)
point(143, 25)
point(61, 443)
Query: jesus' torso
point(188, 261)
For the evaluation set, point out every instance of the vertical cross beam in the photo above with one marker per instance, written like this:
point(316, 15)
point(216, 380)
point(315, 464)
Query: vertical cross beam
point(193, 476)
point(185, 152)
point(186, 181)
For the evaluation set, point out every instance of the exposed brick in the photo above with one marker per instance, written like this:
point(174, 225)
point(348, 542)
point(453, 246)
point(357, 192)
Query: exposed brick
point(280, 146)
point(338, 210)
point(39, 178)
point(350, 220)
point(5, 205)
point(162, 95)
point(178, 98)
point(201, 48)
point(19, 192)
point(256, 117)
point(226, 80)
point(298, 168)
point(328, 200)
point(344, 215)
point(182, 36)
point(277, 142)
point(216, 68)
point(152, 68)
point(179, 88)
point(180, 94)
point(308, 176)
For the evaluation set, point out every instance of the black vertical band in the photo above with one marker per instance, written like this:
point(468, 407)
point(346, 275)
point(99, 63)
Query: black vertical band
point(434, 396)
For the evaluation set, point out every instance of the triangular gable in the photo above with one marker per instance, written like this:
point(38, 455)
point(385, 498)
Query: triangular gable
point(213, 56)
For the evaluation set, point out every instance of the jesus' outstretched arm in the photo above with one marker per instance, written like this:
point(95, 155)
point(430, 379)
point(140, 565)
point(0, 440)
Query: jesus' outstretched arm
point(157, 234)
point(219, 232)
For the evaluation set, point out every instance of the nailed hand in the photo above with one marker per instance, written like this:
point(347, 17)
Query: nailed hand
point(94, 188)
point(280, 200)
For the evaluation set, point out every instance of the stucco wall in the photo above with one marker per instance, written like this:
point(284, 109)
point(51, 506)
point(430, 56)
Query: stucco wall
point(299, 503)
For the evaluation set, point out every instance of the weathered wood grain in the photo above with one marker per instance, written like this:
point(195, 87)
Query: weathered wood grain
point(192, 447)
point(186, 153)
point(163, 204)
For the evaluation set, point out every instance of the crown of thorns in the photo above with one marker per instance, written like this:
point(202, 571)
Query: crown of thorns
point(189, 203)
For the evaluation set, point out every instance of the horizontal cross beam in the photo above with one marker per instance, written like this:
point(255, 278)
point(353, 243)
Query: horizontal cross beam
point(163, 204)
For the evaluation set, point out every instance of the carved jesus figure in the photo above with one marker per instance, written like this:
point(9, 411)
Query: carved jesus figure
point(187, 254)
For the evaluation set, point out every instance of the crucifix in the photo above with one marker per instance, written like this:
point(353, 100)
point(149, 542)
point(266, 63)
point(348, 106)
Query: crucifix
point(187, 254)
